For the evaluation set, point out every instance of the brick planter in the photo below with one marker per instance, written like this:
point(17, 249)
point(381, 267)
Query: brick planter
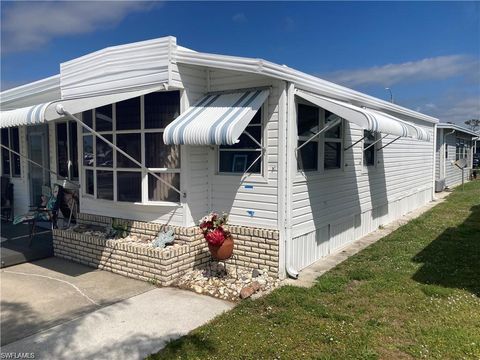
point(254, 249)
point(161, 266)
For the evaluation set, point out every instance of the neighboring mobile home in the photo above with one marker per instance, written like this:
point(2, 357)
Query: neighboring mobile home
point(303, 166)
point(454, 143)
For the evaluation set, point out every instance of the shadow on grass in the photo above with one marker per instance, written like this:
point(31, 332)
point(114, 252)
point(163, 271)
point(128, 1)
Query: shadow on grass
point(452, 260)
point(188, 344)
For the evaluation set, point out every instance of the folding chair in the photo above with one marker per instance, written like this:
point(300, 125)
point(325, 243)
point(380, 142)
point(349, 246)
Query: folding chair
point(46, 211)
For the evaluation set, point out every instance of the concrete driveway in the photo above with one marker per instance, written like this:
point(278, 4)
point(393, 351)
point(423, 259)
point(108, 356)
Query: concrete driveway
point(58, 309)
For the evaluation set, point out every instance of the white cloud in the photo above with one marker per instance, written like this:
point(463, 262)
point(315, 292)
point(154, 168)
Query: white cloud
point(240, 18)
point(29, 25)
point(437, 68)
point(456, 110)
point(461, 111)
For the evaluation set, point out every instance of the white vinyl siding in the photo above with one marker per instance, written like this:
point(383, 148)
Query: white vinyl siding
point(118, 68)
point(347, 205)
point(195, 175)
point(250, 200)
point(453, 175)
point(439, 154)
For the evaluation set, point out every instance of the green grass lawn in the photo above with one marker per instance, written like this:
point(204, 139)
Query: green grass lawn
point(413, 294)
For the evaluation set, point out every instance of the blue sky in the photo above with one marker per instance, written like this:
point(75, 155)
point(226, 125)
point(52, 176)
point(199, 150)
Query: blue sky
point(428, 53)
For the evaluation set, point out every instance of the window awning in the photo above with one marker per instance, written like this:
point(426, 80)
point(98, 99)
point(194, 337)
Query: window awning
point(217, 119)
point(368, 119)
point(40, 113)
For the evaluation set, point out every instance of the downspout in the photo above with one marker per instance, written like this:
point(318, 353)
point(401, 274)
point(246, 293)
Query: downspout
point(281, 177)
point(290, 174)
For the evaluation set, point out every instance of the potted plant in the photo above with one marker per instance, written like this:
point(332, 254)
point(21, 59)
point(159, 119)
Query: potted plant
point(219, 240)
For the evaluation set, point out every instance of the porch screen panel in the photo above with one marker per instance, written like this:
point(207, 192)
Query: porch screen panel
point(62, 150)
point(5, 153)
point(158, 191)
point(136, 127)
point(11, 165)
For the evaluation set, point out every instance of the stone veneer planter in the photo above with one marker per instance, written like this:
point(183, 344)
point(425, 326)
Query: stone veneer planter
point(254, 249)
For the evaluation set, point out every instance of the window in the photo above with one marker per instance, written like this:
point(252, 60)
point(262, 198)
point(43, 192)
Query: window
point(11, 162)
point(333, 145)
point(460, 150)
point(369, 152)
point(136, 127)
point(245, 154)
point(310, 120)
point(67, 153)
point(307, 125)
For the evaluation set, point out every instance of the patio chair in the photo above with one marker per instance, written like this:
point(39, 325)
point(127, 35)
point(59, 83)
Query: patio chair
point(7, 198)
point(46, 211)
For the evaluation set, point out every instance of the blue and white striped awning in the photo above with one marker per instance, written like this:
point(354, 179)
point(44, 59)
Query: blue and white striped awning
point(40, 113)
point(217, 119)
point(367, 119)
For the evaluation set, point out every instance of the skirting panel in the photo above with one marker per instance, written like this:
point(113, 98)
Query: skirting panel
point(314, 245)
point(310, 247)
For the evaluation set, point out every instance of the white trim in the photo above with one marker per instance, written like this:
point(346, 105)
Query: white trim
point(300, 79)
point(291, 170)
point(282, 178)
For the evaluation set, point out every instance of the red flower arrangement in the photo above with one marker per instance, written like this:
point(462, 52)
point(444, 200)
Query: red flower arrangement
point(212, 228)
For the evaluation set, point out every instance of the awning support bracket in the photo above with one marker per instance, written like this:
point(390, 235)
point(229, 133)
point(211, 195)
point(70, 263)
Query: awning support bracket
point(262, 149)
point(376, 141)
point(324, 129)
point(254, 161)
point(253, 139)
point(62, 111)
point(391, 142)
point(355, 143)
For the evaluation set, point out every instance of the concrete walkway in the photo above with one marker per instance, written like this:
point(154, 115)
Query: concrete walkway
point(307, 277)
point(58, 310)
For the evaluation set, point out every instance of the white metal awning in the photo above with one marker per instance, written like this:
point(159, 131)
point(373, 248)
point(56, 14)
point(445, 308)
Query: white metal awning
point(217, 119)
point(40, 113)
point(367, 119)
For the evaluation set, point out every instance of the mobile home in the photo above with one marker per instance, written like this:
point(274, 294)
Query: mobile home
point(454, 144)
point(303, 166)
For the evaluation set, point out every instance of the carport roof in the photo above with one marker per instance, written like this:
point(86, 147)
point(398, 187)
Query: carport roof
point(457, 128)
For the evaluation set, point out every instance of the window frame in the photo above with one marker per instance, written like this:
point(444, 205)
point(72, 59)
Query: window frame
point(316, 139)
point(69, 124)
point(367, 142)
point(144, 174)
point(261, 151)
point(12, 156)
point(321, 140)
point(340, 140)
point(460, 149)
